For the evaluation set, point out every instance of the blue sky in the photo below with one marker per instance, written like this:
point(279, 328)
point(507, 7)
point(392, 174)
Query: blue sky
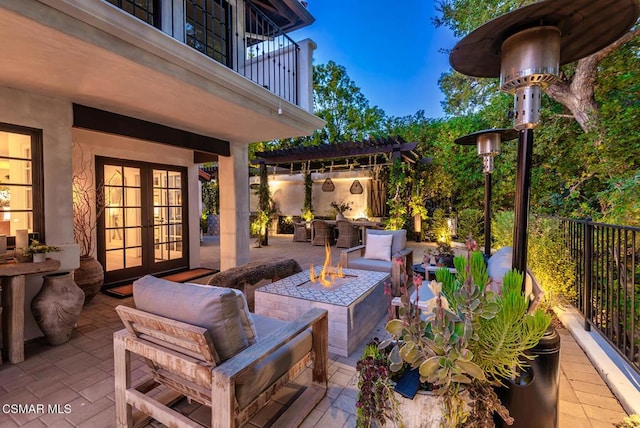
point(390, 50)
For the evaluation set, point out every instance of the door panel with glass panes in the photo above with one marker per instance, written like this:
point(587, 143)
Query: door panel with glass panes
point(141, 231)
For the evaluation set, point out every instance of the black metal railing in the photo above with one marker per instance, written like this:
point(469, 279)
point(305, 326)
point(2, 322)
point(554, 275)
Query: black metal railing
point(607, 281)
point(242, 38)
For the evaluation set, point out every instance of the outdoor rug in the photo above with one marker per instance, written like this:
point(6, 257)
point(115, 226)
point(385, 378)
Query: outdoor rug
point(126, 290)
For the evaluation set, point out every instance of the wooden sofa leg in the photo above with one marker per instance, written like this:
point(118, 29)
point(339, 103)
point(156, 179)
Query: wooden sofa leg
point(122, 374)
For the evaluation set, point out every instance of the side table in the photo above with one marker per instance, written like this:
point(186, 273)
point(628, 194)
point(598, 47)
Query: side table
point(12, 279)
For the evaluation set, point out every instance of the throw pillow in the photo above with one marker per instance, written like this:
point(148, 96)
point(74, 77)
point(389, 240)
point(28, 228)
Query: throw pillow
point(213, 308)
point(399, 241)
point(378, 247)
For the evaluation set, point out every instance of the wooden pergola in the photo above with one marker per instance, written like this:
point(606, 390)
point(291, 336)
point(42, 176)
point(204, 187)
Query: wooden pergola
point(370, 154)
point(341, 156)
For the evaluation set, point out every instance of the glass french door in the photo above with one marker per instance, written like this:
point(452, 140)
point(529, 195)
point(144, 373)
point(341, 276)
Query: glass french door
point(143, 229)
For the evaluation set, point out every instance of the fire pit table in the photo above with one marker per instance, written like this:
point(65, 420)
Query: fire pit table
point(356, 303)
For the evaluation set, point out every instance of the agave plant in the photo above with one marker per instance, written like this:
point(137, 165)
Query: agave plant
point(469, 339)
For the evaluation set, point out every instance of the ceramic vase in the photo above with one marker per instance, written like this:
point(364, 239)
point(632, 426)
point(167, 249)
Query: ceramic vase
point(339, 216)
point(57, 306)
point(39, 257)
point(89, 277)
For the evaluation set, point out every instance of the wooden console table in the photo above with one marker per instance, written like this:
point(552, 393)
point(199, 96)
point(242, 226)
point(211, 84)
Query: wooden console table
point(12, 278)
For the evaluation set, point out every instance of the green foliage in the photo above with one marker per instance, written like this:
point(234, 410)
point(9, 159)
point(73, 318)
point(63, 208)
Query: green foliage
point(502, 229)
point(550, 261)
point(470, 224)
point(210, 198)
point(440, 227)
point(547, 255)
point(631, 421)
point(204, 223)
point(376, 402)
point(470, 336)
point(308, 186)
point(397, 196)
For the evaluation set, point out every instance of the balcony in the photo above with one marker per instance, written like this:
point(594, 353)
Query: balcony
point(235, 33)
point(255, 86)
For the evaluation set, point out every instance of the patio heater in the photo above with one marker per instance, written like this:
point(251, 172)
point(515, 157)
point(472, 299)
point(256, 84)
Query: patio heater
point(525, 48)
point(488, 143)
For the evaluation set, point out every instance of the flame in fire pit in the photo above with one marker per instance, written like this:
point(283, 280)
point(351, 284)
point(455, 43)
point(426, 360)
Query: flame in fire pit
point(328, 274)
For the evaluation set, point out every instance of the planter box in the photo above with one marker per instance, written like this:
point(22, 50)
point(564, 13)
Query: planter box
point(424, 411)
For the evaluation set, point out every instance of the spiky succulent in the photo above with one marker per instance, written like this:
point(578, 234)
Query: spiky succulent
point(469, 334)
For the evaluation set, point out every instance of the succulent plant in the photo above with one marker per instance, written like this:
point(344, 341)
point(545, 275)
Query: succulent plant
point(470, 337)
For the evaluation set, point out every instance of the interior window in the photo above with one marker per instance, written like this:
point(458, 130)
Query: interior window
point(21, 199)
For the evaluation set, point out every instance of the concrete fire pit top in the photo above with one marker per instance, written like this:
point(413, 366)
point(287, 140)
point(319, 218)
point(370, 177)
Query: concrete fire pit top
point(357, 283)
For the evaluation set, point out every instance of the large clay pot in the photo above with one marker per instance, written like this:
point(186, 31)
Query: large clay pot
point(57, 306)
point(89, 277)
point(424, 411)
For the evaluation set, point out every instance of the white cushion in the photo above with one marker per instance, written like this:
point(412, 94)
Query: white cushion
point(378, 247)
point(399, 238)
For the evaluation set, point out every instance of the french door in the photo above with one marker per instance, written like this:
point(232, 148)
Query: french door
point(143, 229)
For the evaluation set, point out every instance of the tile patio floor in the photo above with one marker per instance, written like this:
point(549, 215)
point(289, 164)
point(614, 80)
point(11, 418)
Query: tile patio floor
point(80, 372)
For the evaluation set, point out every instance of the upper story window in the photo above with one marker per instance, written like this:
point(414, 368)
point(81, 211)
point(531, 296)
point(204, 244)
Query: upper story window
point(146, 10)
point(21, 184)
point(208, 28)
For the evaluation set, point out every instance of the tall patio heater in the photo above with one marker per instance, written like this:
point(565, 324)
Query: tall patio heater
point(488, 142)
point(526, 48)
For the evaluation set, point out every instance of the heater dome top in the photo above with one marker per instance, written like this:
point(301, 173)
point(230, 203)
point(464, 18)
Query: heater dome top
point(472, 139)
point(586, 26)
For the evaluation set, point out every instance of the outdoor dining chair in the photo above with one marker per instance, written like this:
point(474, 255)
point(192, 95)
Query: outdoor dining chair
point(321, 233)
point(300, 232)
point(348, 234)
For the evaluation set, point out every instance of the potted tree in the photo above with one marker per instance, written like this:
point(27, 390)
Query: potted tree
point(460, 344)
point(88, 207)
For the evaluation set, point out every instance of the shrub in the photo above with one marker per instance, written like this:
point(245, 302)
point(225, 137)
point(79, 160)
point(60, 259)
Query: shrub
point(550, 262)
point(470, 224)
point(547, 255)
point(502, 229)
point(440, 227)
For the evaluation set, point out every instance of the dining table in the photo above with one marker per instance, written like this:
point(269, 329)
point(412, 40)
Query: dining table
point(362, 224)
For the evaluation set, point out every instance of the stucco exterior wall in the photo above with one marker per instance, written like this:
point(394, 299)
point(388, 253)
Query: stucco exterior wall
point(99, 144)
point(54, 118)
point(288, 192)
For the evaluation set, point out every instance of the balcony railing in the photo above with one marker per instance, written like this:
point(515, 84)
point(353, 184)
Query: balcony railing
point(234, 33)
point(607, 260)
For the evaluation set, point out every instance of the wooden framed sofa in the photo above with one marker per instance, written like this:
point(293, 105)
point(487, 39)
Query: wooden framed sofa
point(379, 254)
point(201, 342)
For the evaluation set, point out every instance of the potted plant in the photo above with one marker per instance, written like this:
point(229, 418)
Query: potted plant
point(38, 251)
point(466, 340)
point(340, 208)
point(88, 207)
point(307, 214)
point(444, 254)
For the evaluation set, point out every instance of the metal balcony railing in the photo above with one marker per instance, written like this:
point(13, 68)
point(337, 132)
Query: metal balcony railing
point(235, 33)
point(607, 260)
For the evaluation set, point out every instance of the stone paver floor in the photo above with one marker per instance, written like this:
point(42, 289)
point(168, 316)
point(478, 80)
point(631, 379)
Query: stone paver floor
point(78, 376)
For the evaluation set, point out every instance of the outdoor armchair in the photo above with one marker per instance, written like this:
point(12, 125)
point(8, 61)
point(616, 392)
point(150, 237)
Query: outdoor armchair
point(202, 343)
point(384, 251)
